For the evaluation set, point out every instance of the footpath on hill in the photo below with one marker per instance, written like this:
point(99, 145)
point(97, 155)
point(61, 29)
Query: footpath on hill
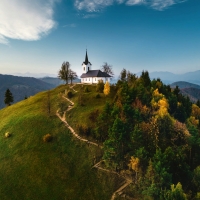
point(127, 181)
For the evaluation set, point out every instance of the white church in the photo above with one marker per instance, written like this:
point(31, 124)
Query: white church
point(92, 76)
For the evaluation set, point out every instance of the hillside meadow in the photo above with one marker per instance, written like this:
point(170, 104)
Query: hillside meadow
point(60, 169)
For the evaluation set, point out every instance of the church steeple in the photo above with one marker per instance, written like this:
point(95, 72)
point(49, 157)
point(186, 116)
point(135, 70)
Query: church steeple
point(86, 58)
point(86, 66)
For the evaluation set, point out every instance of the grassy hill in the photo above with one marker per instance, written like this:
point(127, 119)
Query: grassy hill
point(61, 169)
point(21, 87)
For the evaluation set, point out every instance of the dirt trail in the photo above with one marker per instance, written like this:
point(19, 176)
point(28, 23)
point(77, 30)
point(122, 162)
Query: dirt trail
point(97, 165)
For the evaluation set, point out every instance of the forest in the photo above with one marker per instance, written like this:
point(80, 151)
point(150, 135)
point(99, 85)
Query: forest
point(152, 131)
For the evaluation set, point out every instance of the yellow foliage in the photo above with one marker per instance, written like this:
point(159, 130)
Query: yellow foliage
point(179, 104)
point(195, 111)
point(106, 90)
point(134, 164)
point(193, 121)
point(163, 106)
point(156, 97)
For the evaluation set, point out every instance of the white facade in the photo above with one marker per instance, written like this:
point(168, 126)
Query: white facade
point(86, 68)
point(95, 79)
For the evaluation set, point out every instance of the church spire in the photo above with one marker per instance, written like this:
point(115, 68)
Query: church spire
point(86, 58)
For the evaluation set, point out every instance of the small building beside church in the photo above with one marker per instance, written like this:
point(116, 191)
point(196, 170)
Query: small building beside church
point(92, 76)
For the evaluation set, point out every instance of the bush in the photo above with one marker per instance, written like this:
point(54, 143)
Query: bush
point(86, 89)
point(69, 94)
point(7, 134)
point(100, 86)
point(97, 96)
point(47, 138)
point(93, 115)
point(83, 130)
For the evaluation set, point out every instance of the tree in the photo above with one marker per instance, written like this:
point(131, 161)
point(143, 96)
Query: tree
point(123, 75)
point(72, 75)
point(198, 103)
point(64, 72)
point(8, 97)
point(106, 90)
point(107, 68)
point(100, 86)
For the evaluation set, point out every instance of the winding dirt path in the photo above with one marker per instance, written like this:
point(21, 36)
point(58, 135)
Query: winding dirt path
point(97, 165)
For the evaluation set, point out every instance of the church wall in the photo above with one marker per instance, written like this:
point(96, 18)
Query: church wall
point(94, 79)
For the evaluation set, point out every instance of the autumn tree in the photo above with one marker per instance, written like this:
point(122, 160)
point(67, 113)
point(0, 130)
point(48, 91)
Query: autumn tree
point(64, 72)
point(134, 165)
point(106, 90)
point(8, 97)
point(107, 68)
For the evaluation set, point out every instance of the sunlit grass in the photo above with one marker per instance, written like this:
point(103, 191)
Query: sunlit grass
point(61, 169)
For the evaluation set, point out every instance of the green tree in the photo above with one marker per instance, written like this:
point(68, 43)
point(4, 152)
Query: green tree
point(176, 193)
point(107, 68)
point(8, 97)
point(123, 75)
point(145, 78)
point(100, 86)
point(198, 103)
point(64, 72)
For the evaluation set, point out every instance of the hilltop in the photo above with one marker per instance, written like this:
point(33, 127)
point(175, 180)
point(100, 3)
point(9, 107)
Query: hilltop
point(61, 169)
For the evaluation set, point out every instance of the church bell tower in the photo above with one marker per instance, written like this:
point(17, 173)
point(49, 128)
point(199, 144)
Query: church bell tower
point(86, 66)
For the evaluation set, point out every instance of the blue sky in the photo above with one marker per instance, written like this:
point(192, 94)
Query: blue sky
point(154, 35)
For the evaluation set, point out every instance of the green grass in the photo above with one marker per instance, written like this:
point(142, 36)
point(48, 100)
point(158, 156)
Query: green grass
point(79, 114)
point(61, 169)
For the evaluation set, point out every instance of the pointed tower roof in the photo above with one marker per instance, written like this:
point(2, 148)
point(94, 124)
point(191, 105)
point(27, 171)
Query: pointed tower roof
point(86, 59)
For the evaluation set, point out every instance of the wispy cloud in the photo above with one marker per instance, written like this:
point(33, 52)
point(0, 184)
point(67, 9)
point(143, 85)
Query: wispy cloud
point(95, 5)
point(92, 5)
point(70, 25)
point(25, 19)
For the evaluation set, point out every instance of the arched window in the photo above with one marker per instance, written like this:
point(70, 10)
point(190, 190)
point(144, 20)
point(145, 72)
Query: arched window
point(84, 69)
point(88, 68)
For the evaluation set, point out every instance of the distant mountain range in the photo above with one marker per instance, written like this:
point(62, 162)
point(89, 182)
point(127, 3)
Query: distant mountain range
point(57, 81)
point(21, 87)
point(168, 77)
point(189, 83)
point(188, 89)
point(26, 86)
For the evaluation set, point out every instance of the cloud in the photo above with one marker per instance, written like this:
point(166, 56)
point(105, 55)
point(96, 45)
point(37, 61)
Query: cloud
point(70, 25)
point(95, 5)
point(134, 2)
point(25, 19)
point(92, 5)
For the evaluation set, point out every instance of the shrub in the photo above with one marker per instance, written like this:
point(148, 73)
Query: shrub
point(83, 130)
point(86, 89)
point(97, 96)
point(100, 86)
point(7, 134)
point(93, 115)
point(69, 94)
point(47, 138)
